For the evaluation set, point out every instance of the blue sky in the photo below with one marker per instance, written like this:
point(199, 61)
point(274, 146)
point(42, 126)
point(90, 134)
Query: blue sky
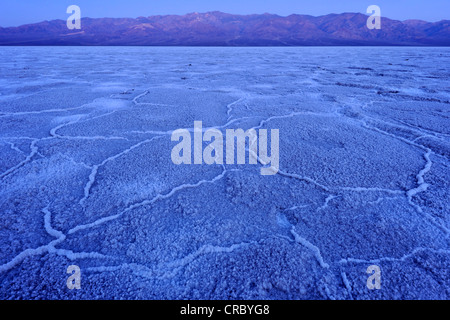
point(17, 12)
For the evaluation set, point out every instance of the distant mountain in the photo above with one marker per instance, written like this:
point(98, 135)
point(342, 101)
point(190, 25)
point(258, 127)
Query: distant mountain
point(222, 29)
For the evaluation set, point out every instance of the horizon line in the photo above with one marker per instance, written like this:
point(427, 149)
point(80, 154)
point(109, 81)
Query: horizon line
point(234, 14)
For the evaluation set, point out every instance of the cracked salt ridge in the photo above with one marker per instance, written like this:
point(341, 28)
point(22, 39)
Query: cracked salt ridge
point(297, 207)
point(282, 221)
point(50, 247)
point(307, 179)
point(380, 199)
point(347, 284)
point(426, 132)
point(364, 189)
point(86, 105)
point(169, 132)
point(264, 163)
point(327, 200)
point(54, 135)
point(230, 107)
point(147, 202)
point(95, 168)
point(390, 259)
point(81, 163)
point(34, 151)
point(140, 96)
point(23, 113)
point(420, 178)
point(13, 147)
point(422, 185)
point(170, 269)
point(427, 136)
point(315, 250)
point(177, 265)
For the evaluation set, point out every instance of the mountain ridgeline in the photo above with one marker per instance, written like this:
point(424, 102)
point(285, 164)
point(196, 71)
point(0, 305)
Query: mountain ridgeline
point(222, 29)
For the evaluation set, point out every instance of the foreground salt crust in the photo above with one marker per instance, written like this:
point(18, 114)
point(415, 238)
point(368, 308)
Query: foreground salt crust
point(86, 176)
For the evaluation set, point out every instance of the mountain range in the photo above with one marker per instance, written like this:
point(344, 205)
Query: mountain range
point(223, 29)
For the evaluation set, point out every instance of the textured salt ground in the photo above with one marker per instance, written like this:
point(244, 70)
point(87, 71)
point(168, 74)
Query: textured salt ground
point(86, 176)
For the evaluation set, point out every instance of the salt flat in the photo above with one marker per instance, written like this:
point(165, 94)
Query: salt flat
point(86, 176)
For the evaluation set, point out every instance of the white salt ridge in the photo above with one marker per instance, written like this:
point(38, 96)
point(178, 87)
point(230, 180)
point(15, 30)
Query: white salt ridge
point(49, 248)
point(315, 250)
